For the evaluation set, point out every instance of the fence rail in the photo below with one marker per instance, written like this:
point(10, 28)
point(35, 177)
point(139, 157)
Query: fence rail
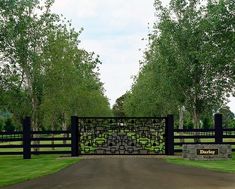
point(217, 135)
point(29, 142)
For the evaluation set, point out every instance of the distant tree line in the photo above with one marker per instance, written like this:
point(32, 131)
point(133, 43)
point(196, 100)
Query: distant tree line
point(189, 64)
point(44, 73)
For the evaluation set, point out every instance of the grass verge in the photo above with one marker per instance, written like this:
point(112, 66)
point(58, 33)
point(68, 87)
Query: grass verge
point(221, 165)
point(13, 169)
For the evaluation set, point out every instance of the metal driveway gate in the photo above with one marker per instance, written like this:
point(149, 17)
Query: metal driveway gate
point(116, 136)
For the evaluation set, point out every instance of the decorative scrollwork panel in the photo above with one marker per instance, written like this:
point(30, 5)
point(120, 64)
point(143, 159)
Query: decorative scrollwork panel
point(122, 136)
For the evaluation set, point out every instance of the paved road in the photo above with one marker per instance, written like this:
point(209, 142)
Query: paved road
point(131, 173)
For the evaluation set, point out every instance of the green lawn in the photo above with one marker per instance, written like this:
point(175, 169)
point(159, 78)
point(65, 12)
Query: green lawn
point(223, 166)
point(13, 169)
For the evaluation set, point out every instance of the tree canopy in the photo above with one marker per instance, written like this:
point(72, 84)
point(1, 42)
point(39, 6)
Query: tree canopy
point(44, 73)
point(189, 62)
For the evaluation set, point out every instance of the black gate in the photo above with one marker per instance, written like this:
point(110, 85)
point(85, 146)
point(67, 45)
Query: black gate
point(116, 136)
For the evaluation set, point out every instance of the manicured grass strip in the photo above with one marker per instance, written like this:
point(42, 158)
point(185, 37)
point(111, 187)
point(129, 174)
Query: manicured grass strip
point(223, 166)
point(13, 169)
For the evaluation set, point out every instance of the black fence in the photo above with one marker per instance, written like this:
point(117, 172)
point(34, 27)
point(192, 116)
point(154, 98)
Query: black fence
point(217, 135)
point(28, 142)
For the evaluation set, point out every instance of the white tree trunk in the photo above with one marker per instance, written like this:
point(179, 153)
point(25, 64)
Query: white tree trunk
point(196, 122)
point(181, 120)
point(53, 136)
point(64, 126)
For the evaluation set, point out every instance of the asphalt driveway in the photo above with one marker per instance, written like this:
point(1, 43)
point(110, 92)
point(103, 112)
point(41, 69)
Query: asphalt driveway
point(131, 173)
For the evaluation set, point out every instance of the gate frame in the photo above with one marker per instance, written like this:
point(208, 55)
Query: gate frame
point(169, 133)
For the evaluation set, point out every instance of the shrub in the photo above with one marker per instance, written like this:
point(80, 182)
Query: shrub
point(9, 126)
point(188, 124)
point(2, 124)
point(206, 123)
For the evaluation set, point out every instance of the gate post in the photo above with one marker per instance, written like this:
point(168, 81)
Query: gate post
point(74, 136)
point(169, 134)
point(26, 138)
point(218, 119)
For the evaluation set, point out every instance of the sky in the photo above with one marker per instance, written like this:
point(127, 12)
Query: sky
point(114, 30)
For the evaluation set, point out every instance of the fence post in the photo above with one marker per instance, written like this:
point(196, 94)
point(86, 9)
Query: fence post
point(74, 136)
point(218, 119)
point(169, 133)
point(26, 138)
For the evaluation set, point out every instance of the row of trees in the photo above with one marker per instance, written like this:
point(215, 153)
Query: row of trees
point(44, 73)
point(189, 65)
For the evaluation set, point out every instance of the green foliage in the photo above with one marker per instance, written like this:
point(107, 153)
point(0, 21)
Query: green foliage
point(118, 109)
point(231, 124)
point(44, 74)
point(189, 61)
point(9, 125)
point(228, 117)
point(207, 123)
point(2, 124)
point(188, 124)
